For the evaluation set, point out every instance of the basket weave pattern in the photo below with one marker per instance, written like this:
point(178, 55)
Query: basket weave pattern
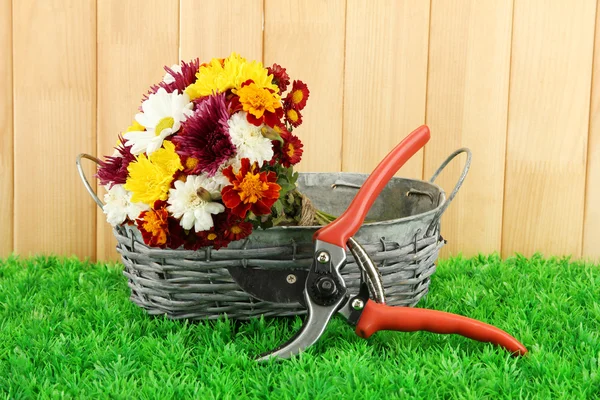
point(197, 285)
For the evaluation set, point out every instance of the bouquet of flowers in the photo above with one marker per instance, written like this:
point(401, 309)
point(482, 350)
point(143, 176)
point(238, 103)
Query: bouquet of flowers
point(210, 156)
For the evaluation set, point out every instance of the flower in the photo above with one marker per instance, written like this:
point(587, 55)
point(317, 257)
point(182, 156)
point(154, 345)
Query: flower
point(171, 74)
point(291, 151)
point(118, 205)
point(191, 201)
point(159, 229)
point(251, 190)
point(204, 140)
point(256, 100)
point(293, 117)
point(280, 77)
point(236, 228)
point(178, 77)
point(154, 225)
point(162, 116)
point(150, 178)
point(220, 76)
point(298, 95)
point(249, 140)
point(114, 170)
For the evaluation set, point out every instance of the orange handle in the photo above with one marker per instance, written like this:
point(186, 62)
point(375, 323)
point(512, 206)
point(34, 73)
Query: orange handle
point(379, 317)
point(339, 231)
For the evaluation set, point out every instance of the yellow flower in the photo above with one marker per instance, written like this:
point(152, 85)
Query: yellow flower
point(135, 126)
point(150, 178)
point(220, 76)
point(256, 100)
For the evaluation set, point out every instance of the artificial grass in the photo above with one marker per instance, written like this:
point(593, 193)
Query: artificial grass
point(68, 330)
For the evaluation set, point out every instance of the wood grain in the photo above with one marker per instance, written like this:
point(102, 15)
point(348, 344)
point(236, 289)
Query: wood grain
point(467, 105)
point(385, 80)
point(54, 120)
point(591, 232)
point(131, 56)
point(548, 126)
point(216, 28)
point(307, 38)
point(6, 130)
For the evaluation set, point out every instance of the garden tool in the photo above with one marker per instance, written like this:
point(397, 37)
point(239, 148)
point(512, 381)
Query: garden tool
point(325, 292)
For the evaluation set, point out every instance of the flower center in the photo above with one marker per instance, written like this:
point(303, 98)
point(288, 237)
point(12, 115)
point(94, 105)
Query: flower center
point(291, 150)
point(251, 188)
point(191, 163)
point(164, 123)
point(211, 236)
point(236, 230)
point(292, 115)
point(297, 96)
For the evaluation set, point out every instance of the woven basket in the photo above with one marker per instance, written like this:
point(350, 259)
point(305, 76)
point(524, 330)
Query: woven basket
point(404, 244)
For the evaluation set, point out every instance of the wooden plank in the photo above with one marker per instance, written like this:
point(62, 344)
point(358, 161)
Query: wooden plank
point(591, 224)
point(300, 35)
point(467, 105)
point(6, 130)
point(385, 80)
point(54, 120)
point(131, 56)
point(548, 126)
point(216, 28)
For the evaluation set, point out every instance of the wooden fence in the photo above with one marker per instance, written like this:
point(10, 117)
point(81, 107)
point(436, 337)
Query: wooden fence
point(518, 82)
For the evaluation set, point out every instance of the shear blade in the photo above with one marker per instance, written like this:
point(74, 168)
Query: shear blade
point(314, 325)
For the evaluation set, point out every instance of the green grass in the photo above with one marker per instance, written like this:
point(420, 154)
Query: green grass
point(68, 330)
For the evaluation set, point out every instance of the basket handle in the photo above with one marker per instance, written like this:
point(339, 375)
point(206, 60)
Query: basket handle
point(84, 178)
point(459, 183)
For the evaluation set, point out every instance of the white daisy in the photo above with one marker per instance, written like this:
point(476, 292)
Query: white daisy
point(168, 78)
point(191, 201)
point(162, 115)
point(248, 139)
point(118, 206)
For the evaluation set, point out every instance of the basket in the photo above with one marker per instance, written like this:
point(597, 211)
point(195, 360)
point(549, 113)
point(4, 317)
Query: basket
point(404, 244)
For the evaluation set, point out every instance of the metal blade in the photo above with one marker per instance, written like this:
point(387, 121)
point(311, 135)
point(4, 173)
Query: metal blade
point(316, 321)
point(275, 286)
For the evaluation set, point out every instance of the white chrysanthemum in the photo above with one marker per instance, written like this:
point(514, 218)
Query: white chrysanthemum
point(248, 139)
point(118, 205)
point(191, 202)
point(162, 115)
point(168, 78)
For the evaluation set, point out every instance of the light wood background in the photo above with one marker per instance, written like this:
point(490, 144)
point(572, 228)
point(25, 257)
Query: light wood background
point(517, 81)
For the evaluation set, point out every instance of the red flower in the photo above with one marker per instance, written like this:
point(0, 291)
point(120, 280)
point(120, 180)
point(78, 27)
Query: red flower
point(291, 151)
point(292, 116)
point(280, 77)
point(251, 190)
point(158, 229)
point(235, 228)
point(298, 95)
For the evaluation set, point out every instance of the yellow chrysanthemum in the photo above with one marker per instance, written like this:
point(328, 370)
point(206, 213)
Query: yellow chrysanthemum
point(256, 100)
point(220, 77)
point(150, 178)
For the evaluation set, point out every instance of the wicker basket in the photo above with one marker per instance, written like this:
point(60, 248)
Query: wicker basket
point(404, 244)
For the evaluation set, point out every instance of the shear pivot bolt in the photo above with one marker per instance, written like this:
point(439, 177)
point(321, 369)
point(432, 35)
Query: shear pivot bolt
point(323, 257)
point(358, 304)
point(326, 286)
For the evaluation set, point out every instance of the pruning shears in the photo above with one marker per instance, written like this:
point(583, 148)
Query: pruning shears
point(325, 292)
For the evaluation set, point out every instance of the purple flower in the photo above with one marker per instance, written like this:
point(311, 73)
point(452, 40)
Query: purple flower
point(113, 171)
point(183, 79)
point(204, 141)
